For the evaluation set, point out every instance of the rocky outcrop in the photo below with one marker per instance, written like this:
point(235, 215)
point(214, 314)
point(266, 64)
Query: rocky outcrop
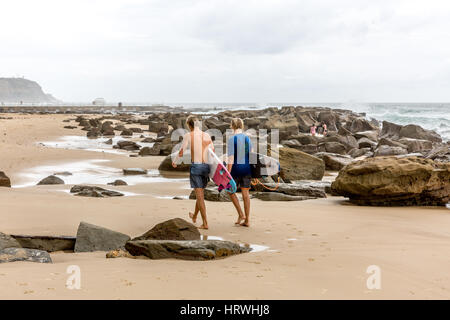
point(92, 238)
point(333, 161)
point(186, 250)
point(392, 181)
point(21, 254)
point(4, 180)
point(16, 90)
point(174, 229)
point(297, 165)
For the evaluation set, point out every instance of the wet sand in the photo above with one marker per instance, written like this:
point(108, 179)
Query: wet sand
point(317, 248)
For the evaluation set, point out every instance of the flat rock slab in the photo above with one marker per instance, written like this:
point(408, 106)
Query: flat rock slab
point(22, 254)
point(174, 229)
point(94, 192)
point(294, 189)
point(134, 171)
point(92, 238)
point(274, 196)
point(186, 250)
point(46, 243)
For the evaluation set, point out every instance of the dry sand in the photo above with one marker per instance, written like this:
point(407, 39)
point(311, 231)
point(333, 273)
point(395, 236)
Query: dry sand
point(318, 249)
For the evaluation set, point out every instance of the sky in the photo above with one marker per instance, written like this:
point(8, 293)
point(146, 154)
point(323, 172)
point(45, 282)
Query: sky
point(230, 50)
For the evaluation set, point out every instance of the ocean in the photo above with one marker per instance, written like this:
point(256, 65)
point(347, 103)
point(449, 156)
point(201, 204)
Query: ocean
point(432, 116)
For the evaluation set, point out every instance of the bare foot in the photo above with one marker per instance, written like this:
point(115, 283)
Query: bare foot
point(193, 217)
point(203, 227)
point(245, 224)
point(239, 220)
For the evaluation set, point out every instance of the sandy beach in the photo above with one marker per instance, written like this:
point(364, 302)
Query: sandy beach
point(316, 249)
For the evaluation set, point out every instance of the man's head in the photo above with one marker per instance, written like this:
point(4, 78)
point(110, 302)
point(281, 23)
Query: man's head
point(237, 123)
point(192, 122)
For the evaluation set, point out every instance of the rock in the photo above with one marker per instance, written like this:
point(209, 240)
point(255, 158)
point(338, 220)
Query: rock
point(355, 153)
point(332, 147)
point(7, 241)
point(70, 127)
point(134, 171)
point(440, 153)
point(287, 126)
point(371, 135)
point(308, 148)
point(391, 181)
point(212, 194)
point(297, 165)
point(93, 133)
point(149, 140)
point(366, 143)
point(94, 192)
point(298, 189)
point(63, 173)
point(151, 151)
point(158, 127)
point(389, 151)
point(389, 142)
point(127, 133)
point(92, 238)
point(50, 180)
point(46, 243)
point(4, 180)
point(127, 145)
point(274, 196)
point(416, 145)
point(166, 165)
point(173, 229)
point(361, 124)
point(417, 132)
point(334, 161)
point(348, 141)
point(186, 250)
point(304, 138)
point(390, 130)
point(119, 253)
point(109, 141)
point(118, 183)
point(21, 254)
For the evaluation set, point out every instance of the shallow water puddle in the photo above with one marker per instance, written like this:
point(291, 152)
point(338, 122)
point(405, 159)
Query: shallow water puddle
point(96, 145)
point(90, 172)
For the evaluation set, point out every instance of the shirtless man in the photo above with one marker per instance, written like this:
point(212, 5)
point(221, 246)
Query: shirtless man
point(198, 143)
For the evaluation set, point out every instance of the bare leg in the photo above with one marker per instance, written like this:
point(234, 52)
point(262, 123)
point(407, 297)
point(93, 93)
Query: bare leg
point(235, 201)
point(246, 198)
point(194, 215)
point(199, 193)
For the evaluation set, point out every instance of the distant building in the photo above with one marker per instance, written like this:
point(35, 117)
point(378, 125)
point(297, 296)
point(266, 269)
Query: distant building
point(99, 102)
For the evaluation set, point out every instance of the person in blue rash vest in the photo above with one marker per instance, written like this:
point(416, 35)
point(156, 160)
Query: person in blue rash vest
point(239, 148)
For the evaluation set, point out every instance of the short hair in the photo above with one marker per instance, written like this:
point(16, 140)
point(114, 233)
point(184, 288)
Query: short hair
point(237, 123)
point(192, 121)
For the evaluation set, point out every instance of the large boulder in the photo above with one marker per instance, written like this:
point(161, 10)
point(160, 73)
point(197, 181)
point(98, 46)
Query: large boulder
point(166, 165)
point(287, 126)
point(22, 254)
point(416, 145)
point(366, 143)
point(92, 238)
point(6, 241)
point(127, 145)
point(390, 130)
point(392, 181)
point(186, 250)
point(360, 124)
point(50, 180)
point(4, 180)
point(155, 150)
point(298, 165)
point(417, 132)
point(332, 147)
point(385, 150)
point(440, 153)
point(174, 229)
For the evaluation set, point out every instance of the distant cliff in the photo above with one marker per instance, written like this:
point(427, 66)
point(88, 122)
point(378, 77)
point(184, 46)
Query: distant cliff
point(16, 90)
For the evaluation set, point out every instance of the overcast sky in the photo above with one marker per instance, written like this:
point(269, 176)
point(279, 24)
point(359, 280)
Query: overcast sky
point(230, 51)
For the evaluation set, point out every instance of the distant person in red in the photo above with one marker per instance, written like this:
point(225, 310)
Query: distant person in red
point(325, 129)
point(313, 130)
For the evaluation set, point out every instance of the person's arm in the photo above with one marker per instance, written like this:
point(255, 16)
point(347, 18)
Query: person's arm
point(183, 148)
